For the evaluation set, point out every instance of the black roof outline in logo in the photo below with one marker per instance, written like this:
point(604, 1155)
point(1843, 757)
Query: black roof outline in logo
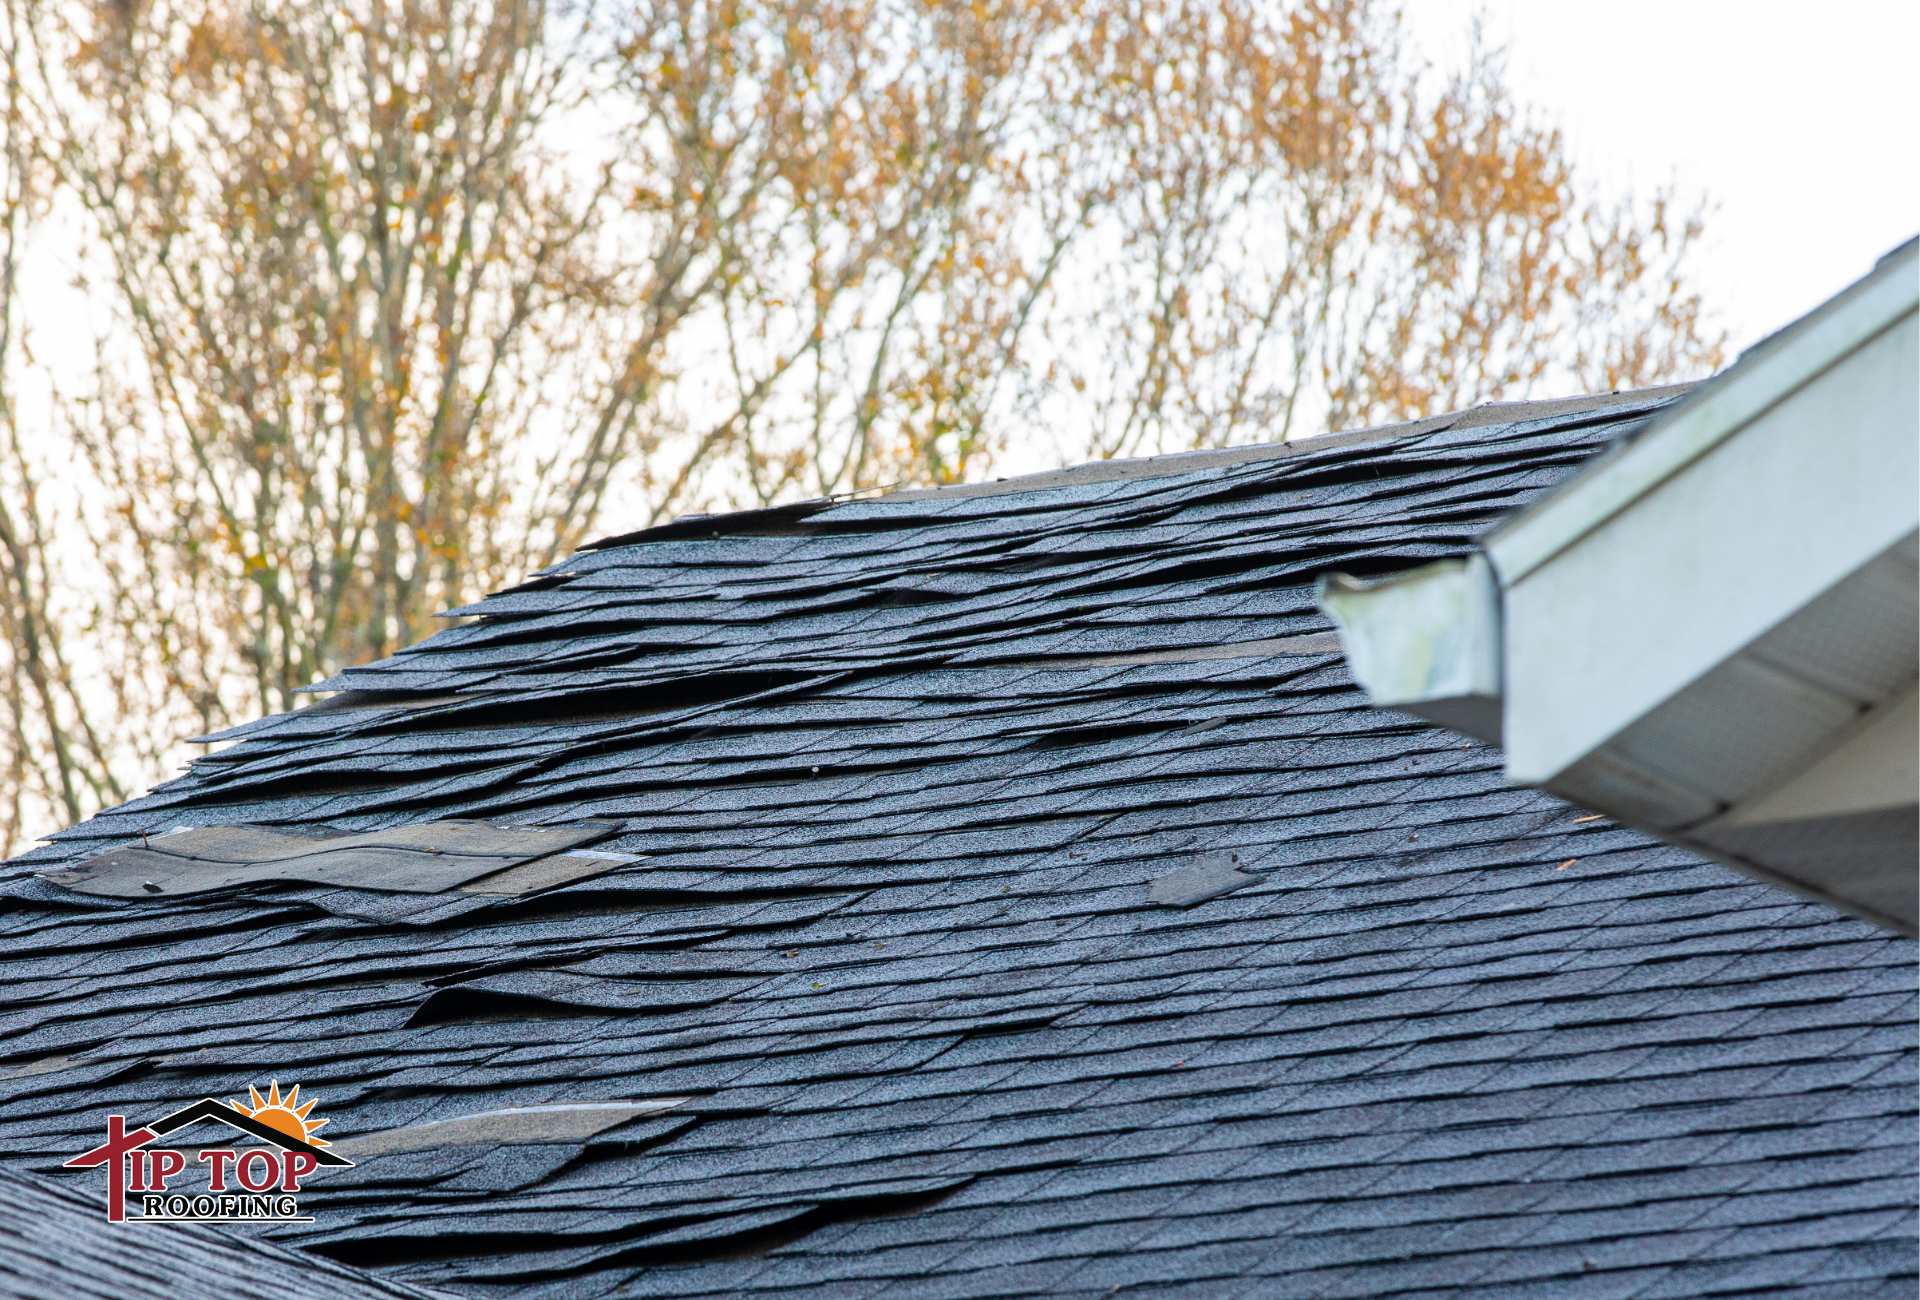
point(208, 1108)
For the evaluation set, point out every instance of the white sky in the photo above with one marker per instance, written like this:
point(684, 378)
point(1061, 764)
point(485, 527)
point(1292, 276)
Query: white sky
point(1800, 122)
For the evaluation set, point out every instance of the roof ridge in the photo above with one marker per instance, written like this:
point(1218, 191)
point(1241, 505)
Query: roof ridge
point(1102, 471)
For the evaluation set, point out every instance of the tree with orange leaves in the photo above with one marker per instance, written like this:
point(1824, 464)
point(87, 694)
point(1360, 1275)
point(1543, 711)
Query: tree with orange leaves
point(411, 297)
point(1132, 226)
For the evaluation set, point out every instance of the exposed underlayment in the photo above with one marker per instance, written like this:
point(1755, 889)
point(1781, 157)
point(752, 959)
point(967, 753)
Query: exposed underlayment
point(905, 989)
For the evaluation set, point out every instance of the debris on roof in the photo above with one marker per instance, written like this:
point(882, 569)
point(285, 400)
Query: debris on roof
point(903, 773)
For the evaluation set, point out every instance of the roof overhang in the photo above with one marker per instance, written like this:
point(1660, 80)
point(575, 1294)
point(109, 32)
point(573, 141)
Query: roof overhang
point(1711, 632)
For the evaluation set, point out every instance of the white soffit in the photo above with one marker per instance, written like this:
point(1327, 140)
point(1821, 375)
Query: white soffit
point(1877, 767)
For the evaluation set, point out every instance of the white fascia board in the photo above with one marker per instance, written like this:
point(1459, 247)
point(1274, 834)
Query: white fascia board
point(1762, 378)
point(1709, 633)
point(1621, 600)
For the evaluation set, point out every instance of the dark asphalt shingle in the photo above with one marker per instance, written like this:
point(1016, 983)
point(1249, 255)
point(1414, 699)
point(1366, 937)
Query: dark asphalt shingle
point(939, 1037)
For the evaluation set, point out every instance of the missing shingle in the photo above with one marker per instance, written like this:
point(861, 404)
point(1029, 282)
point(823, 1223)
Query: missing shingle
point(572, 995)
point(1002, 1029)
point(46, 1065)
point(635, 1137)
point(770, 1230)
point(460, 1006)
point(614, 703)
point(357, 701)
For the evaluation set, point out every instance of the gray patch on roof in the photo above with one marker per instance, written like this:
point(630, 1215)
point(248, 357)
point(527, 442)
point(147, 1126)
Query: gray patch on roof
point(420, 859)
point(45, 1065)
point(1207, 877)
point(543, 994)
point(561, 1122)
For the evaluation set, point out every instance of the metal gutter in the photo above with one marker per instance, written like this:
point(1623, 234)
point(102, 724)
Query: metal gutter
point(1426, 641)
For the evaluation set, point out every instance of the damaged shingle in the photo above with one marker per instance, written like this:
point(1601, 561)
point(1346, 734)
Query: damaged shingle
point(561, 1123)
point(904, 891)
point(1208, 876)
point(421, 859)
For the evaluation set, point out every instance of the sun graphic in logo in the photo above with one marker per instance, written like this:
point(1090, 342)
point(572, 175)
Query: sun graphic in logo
point(284, 1114)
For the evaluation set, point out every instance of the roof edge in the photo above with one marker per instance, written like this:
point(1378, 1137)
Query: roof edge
point(788, 519)
point(1182, 462)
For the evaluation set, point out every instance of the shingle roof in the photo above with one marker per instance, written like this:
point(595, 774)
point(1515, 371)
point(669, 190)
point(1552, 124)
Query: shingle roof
point(53, 1246)
point(905, 773)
